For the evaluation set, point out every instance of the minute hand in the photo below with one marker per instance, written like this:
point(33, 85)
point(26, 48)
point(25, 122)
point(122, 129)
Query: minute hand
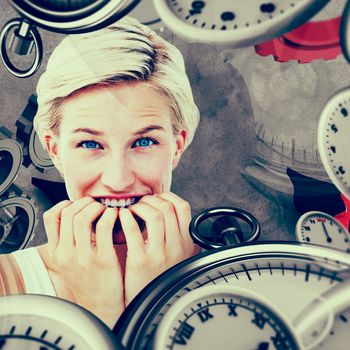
point(329, 239)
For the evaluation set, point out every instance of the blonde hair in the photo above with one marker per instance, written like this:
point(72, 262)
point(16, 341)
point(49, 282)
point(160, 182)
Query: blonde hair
point(124, 51)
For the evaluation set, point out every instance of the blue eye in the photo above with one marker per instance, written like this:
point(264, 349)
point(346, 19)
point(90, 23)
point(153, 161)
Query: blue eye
point(145, 142)
point(90, 145)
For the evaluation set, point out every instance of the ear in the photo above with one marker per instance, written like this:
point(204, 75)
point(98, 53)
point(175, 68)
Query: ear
point(180, 140)
point(51, 143)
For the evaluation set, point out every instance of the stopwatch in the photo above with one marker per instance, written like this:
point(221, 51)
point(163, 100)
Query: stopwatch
point(333, 140)
point(291, 276)
point(77, 16)
point(320, 228)
point(42, 322)
point(64, 16)
point(235, 23)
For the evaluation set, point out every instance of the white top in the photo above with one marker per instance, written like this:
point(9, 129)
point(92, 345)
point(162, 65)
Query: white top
point(35, 275)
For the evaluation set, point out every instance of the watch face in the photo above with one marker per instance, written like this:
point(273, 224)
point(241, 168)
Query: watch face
point(321, 228)
point(333, 140)
point(210, 314)
point(236, 23)
point(38, 322)
point(32, 333)
point(289, 276)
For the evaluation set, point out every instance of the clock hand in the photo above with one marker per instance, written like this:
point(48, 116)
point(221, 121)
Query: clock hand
point(329, 239)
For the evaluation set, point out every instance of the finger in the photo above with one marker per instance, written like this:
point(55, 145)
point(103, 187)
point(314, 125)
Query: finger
point(82, 227)
point(171, 226)
point(66, 238)
point(52, 223)
point(104, 232)
point(132, 232)
point(154, 223)
point(183, 213)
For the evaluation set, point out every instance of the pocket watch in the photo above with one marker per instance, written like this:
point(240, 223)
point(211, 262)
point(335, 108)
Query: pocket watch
point(293, 277)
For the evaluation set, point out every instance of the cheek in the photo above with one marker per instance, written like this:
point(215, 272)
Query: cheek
point(78, 176)
point(156, 172)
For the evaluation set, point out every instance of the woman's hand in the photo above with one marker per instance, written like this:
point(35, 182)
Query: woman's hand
point(88, 265)
point(168, 242)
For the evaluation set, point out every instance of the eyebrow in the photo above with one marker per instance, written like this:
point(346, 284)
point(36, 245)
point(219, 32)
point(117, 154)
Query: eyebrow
point(100, 133)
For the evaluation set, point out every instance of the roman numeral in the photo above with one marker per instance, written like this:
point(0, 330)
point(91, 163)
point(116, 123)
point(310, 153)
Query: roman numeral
point(232, 308)
point(204, 315)
point(259, 320)
point(184, 334)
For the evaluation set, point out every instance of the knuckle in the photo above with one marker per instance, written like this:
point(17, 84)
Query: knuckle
point(61, 260)
point(159, 259)
point(84, 260)
point(168, 206)
point(66, 211)
point(102, 261)
point(48, 216)
point(79, 220)
point(140, 261)
point(185, 206)
point(156, 215)
point(144, 198)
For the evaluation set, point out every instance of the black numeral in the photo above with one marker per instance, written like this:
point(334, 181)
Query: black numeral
point(204, 315)
point(259, 320)
point(228, 16)
point(197, 7)
point(184, 334)
point(344, 112)
point(341, 170)
point(232, 308)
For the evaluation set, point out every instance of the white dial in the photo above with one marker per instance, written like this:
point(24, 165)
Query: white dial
point(333, 140)
point(235, 23)
point(291, 277)
point(320, 228)
point(227, 315)
point(38, 322)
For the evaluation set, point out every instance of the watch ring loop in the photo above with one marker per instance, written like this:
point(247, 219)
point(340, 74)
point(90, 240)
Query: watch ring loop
point(3, 52)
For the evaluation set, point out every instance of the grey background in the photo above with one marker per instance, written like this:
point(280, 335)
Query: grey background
point(246, 102)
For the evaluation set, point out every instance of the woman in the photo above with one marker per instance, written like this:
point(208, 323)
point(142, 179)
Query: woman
point(115, 113)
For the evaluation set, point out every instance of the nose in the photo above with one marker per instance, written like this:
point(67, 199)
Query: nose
point(118, 173)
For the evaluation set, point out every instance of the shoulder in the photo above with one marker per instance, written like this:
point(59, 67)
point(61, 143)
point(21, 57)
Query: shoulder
point(11, 280)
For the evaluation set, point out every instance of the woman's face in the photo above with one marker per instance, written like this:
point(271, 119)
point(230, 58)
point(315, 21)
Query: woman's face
point(116, 142)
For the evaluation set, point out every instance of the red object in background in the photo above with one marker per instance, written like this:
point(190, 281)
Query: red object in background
point(344, 217)
point(311, 41)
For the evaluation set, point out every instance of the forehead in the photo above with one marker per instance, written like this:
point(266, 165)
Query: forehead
point(128, 104)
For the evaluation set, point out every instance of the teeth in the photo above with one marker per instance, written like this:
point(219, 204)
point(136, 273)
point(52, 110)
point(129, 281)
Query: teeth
point(117, 203)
